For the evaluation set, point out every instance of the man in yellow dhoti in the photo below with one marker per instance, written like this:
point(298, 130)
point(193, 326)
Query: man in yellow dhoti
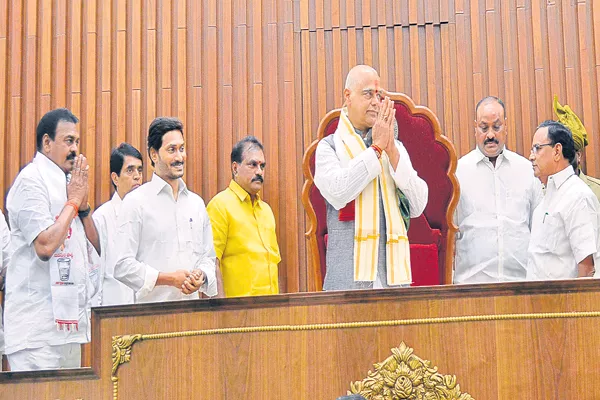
point(567, 117)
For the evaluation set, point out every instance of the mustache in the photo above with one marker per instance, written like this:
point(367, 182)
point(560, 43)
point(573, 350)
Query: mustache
point(258, 178)
point(177, 164)
point(71, 156)
point(494, 140)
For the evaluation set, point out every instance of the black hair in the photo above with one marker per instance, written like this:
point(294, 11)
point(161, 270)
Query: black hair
point(240, 147)
point(559, 133)
point(117, 158)
point(487, 100)
point(49, 122)
point(245, 144)
point(157, 130)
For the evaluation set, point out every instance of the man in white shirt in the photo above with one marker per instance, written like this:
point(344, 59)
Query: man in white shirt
point(126, 169)
point(164, 227)
point(4, 260)
point(362, 171)
point(498, 194)
point(564, 234)
point(49, 279)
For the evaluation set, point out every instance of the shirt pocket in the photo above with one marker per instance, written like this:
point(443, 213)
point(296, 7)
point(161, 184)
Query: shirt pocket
point(549, 234)
point(192, 235)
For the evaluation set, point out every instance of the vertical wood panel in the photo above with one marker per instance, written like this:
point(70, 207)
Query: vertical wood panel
point(274, 68)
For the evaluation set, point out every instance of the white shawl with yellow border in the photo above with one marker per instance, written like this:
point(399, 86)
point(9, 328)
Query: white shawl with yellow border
point(367, 230)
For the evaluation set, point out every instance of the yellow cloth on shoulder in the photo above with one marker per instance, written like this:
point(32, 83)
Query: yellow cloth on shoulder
point(367, 230)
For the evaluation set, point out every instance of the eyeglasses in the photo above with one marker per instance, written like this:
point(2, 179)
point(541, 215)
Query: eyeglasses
point(536, 147)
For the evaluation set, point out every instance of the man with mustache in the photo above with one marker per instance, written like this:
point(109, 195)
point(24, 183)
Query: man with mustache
point(49, 280)
point(164, 235)
point(363, 171)
point(243, 226)
point(498, 194)
point(126, 169)
point(565, 229)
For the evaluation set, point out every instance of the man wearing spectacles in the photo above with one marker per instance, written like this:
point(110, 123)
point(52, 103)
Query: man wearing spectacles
point(361, 170)
point(565, 227)
point(498, 194)
point(126, 169)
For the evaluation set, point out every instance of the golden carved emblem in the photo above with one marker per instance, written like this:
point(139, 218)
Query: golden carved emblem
point(121, 350)
point(121, 353)
point(404, 376)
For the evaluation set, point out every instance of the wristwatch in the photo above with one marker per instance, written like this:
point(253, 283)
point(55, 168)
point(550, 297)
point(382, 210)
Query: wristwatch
point(86, 212)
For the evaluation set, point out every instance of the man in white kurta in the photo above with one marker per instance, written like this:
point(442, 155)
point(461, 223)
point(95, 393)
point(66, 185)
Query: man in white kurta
point(498, 194)
point(126, 169)
point(5, 254)
point(359, 170)
point(49, 279)
point(565, 235)
point(164, 227)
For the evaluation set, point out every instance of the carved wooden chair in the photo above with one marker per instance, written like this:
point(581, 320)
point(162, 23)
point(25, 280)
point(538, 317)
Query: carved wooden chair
point(431, 235)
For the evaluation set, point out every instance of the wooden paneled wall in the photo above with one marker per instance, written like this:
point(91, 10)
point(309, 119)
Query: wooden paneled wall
point(224, 67)
point(448, 54)
point(273, 68)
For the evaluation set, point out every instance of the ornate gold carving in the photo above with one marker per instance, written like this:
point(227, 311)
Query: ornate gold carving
point(403, 375)
point(122, 344)
point(121, 354)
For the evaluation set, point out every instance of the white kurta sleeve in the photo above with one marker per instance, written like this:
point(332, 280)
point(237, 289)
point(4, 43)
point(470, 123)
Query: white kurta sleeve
point(5, 243)
point(339, 185)
point(137, 275)
point(581, 226)
point(206, 262)
point(32, 209)
point(414, 188)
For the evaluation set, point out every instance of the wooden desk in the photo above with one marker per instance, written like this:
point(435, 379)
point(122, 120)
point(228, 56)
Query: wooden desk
point(532, 340)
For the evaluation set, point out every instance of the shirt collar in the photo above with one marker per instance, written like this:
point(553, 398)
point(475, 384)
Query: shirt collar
point(561, 177)
point(504, 154)
point(49, 166)
point(240, 192)
point(158, 184)
point(116, 201)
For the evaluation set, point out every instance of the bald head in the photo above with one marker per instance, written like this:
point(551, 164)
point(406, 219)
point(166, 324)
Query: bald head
point(358, 74)
point(361, 96)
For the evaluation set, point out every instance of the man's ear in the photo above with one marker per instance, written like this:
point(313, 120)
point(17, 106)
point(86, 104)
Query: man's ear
point(114, 178)
point(234, 168)
point(558, 151)
point(46, 142)
point(153, 155)
point(347, 96)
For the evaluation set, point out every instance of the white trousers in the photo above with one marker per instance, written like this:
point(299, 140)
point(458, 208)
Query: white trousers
point(48, 357)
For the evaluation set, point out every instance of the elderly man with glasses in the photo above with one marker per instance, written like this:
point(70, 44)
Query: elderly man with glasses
point(498, 194)
point(564, 234)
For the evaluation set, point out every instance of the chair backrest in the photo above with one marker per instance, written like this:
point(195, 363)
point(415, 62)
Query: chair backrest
point(433, 157)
